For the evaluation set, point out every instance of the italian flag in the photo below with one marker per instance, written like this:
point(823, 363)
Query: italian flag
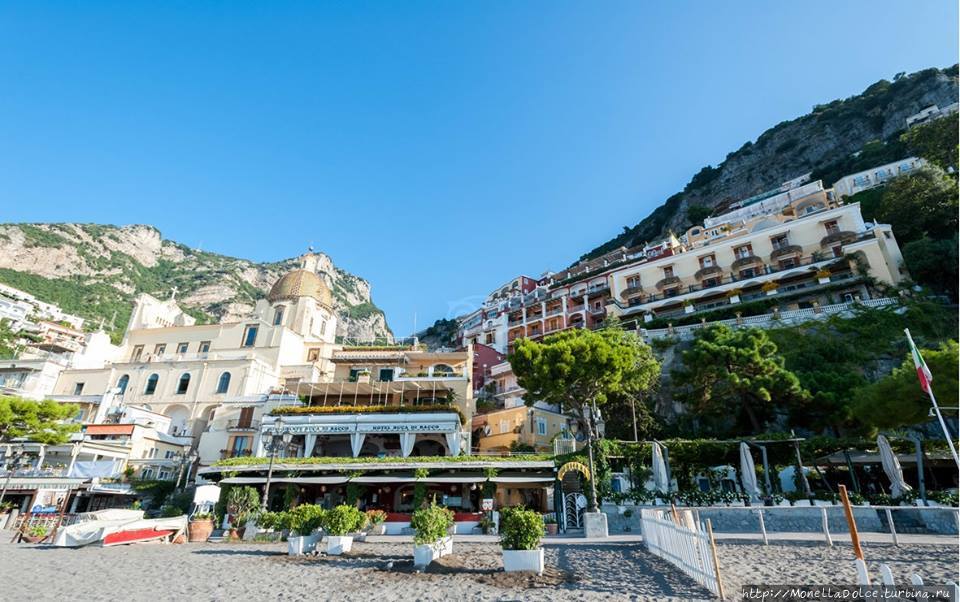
point(923, 373)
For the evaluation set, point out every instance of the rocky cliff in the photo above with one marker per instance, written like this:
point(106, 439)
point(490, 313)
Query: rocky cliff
point(822, 143)
point(95, 271)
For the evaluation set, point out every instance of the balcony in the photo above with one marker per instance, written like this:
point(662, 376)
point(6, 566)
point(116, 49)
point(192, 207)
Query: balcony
point(554, 311)
point(235, 453)
point(745, 261)
point(599, 289)
point(841, 236)
point(707, 271)
point(631, 291)
point(785, 251)
point(239, 424)
point(667, 282)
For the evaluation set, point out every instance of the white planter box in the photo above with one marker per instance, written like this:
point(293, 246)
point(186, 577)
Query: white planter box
point(523, 560)
point(802, 503)
point(771, 293)
point(424, 554)
point(298, 546)
point(822, 503)
point(823, 280)
point(784, 503)
point(378, 530)
point(339, 545)
point(647, 318)
point(3, 521)
point(688, 309)
point(735, 299)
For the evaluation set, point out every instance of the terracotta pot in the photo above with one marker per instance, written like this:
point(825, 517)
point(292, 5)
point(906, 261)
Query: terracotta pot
point(33, 538)
point(199, 530)
point(551, 528)
point(232, 534)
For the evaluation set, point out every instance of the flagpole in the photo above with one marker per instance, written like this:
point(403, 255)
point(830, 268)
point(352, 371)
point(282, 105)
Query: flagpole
point(936, 408)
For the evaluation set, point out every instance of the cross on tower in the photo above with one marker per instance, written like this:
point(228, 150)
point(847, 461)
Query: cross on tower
point(173, 293)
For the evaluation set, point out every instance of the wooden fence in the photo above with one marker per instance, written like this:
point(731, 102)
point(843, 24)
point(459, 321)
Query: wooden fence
point(678, 539)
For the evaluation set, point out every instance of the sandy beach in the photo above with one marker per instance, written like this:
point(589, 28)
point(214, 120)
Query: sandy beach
point(620, 570)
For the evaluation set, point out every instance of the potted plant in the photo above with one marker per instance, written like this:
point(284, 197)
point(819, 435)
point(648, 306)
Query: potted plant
point(688, 307)
point(520, 533)
point(734, 295)
point(823, 276)
point(200, 527)
point(241, 502)
point(770, 288)
point(338, 524)
point(375, 520)
point(550, 522)
point(35, 534)
point(300, 523)
point(627, 514)
point(430, 539)
point(486, 524)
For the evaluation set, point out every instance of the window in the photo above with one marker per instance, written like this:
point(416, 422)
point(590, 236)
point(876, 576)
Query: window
point(183, 384)
point(541, 426)
point(164, 475)
point(246, 417)
point(837, 252)
point(633, 281)
point(137, 352)
point(780, 241)
point(386, 375)
point(151, 387)
point(249, 335)
point(504, 426)
point(744, 251)
point(747, 273)
point(313, 355)
point(323, 327)
point(182, 347)
point(278, 316)
point(122, 383)
point(709, 282)
point(224, 383)
point(78, 389)
point(239, 445)
point(168, 454)
point(159, 349)
point(707, 261)
point(832, 227)
point(788, 263)
point(668, 271)
point(204, 346)
point(147, 474)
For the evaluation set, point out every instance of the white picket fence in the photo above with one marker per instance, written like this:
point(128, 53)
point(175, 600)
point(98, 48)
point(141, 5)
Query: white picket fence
point(687, 546)
point(886, 578)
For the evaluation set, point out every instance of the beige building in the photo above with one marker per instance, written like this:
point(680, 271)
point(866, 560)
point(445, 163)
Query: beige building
point(170, 365)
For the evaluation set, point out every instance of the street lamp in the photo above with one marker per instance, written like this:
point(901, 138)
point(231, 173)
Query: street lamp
point(188, 459)
point(12, 462)
point(273, 441)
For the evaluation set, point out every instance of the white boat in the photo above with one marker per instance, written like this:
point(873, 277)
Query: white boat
point(116, 527)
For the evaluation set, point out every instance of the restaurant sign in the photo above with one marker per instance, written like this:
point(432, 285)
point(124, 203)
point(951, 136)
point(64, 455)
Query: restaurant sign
point(347, 429)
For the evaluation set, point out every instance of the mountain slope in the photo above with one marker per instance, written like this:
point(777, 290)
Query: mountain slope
point(95, 271)
point(820, 142)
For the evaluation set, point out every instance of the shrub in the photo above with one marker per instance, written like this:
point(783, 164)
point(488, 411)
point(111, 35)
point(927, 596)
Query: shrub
point(241, 502)
point(521, 529)
point(947, 498)
point(168, 511)
point(342, 520)
point(304, 519)
point(37, 531)
point(431, 524)
point(376, 517)
point(202, 516)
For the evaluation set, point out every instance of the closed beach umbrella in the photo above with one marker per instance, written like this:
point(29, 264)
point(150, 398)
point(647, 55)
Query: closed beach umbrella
point(748, 473)
point(891, 466)
point(659, 469)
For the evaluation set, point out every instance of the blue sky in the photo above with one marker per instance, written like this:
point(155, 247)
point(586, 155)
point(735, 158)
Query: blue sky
point(435, 148)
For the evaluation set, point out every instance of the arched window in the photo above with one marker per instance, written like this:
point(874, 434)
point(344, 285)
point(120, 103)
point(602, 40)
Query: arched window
point(122, 383)
point(442, 370)
point(183, 384)
point(224, 383)
point(151, 387)
point(278, 316)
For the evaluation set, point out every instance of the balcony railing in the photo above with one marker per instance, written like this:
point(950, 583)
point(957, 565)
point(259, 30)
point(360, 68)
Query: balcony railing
point(240, 425)
point(235, 453)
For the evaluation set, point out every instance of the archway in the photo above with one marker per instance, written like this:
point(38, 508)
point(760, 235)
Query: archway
point(179, 420)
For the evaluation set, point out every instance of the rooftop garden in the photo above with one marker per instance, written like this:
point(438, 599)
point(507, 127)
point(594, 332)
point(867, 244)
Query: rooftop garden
point(246, 461)
point(379, 409)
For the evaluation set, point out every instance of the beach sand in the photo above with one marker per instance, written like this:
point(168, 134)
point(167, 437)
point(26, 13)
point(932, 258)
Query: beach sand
point(383, 571)
point(812, 562)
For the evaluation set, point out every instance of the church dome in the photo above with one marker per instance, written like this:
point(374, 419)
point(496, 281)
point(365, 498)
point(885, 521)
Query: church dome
point(300, 283)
